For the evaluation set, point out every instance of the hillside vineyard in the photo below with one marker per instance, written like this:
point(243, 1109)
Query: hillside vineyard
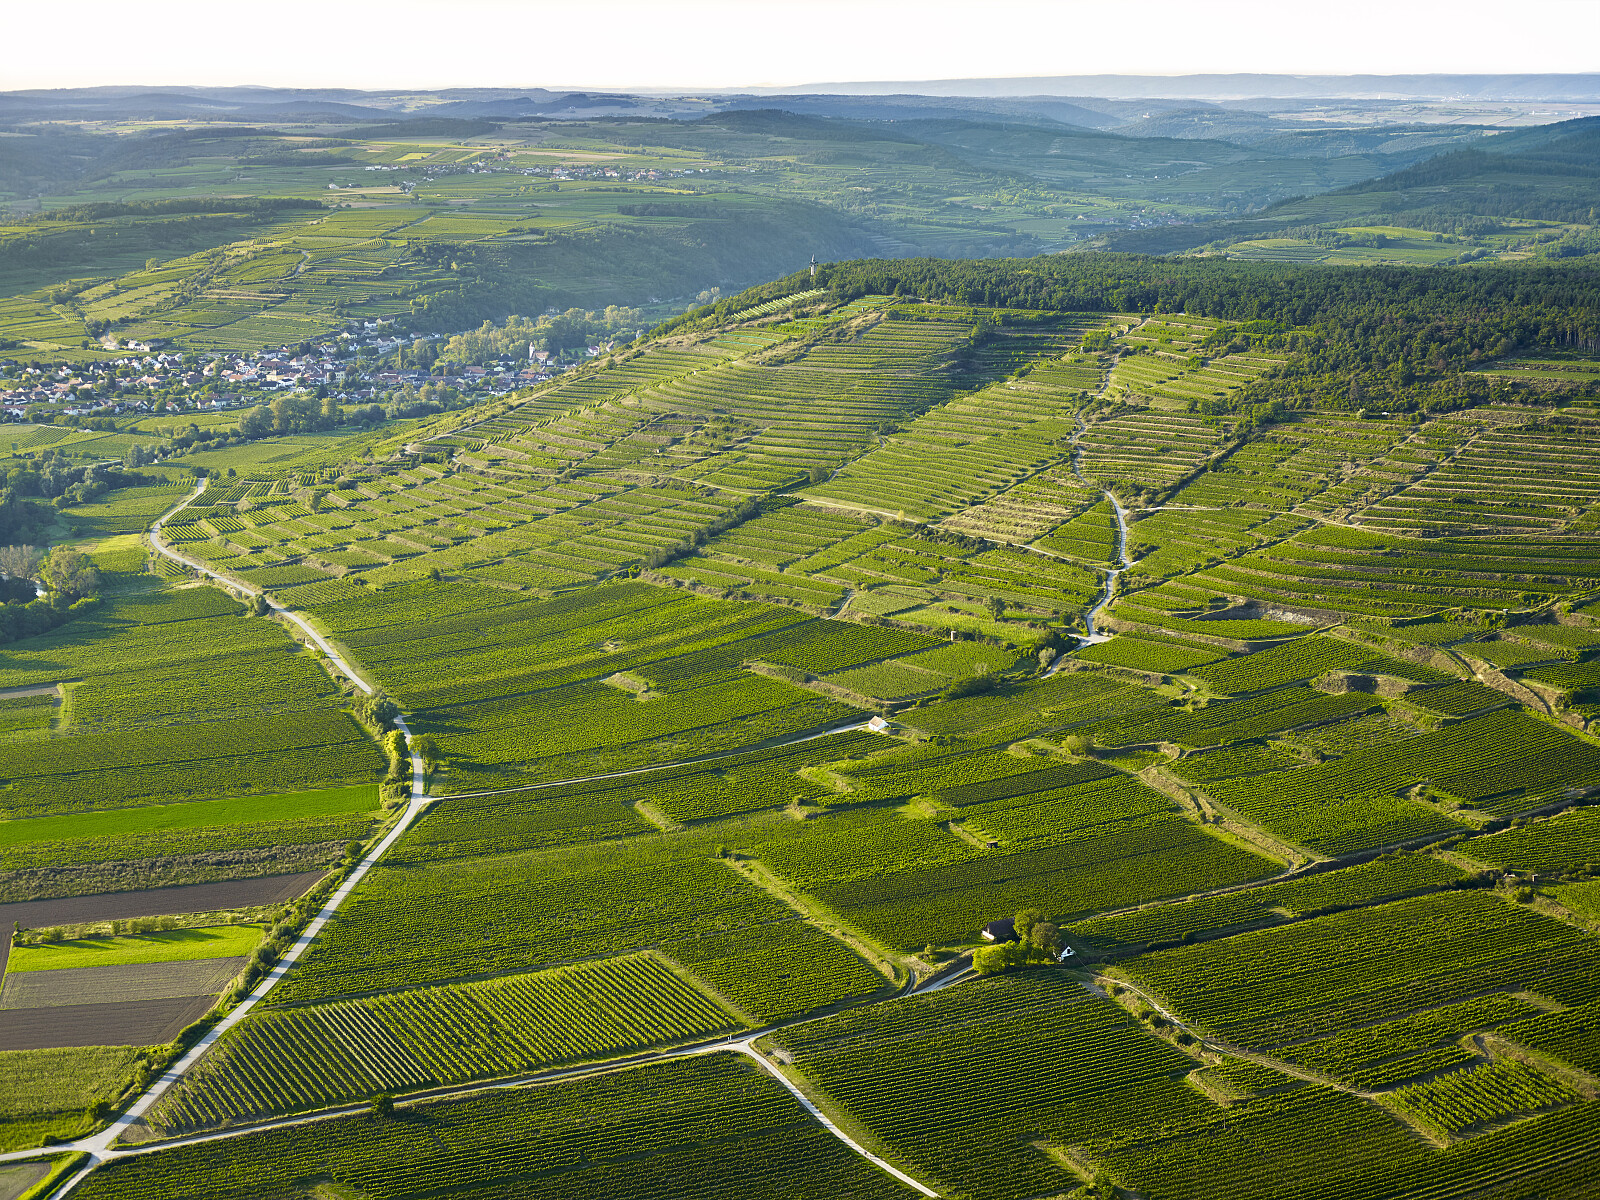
point(606, 787)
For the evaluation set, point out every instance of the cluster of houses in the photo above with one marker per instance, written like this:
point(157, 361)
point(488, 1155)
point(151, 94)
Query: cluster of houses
point(435, 170)
point(160, 381)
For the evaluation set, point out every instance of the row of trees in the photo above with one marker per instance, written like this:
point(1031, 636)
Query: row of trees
point(553, 332)
point(64, 572)
point(309, 414)
point(291, 414)
point(53, 476)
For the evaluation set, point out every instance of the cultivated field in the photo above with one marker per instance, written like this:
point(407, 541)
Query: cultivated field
point(603, 766)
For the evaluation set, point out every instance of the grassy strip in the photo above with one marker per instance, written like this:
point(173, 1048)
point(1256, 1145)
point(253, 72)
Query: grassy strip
point(172, 945)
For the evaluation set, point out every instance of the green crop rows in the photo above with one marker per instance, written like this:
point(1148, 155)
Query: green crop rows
point(1481, 1095)
point(1500, 763)
point(668, 1131)
point(959, 1082)
point(1561, 843)
point(321, 1055)
point(1319, 977)
point(1379, 879)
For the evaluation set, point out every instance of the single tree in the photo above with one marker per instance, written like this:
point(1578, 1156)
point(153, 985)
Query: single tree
point(1022, 924)
point(379, 710)
point(425, 748)
point(69, 574)
point(255, 422)
point(1077, 743)
point(20, 562)
point(989, 960)
point(1045, 942)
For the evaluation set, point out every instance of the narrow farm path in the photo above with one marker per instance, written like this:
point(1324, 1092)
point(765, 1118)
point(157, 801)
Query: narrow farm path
point(681, 762)
point(166, 551)
point(746, 1047)
point(100, 1146)
point(1108, 591)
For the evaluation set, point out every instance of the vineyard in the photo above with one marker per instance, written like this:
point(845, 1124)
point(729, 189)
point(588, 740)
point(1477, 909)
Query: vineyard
point(1560, 843)
point(1319, 977)
point(1129, 862)
point(957, 1084)
point(1482, 1095)
point(1378, 880)
point(1499, 764)
point(175, 695)
point(668, 1131)
point(317, 1056)
point(414, 926)
point(1310, 807)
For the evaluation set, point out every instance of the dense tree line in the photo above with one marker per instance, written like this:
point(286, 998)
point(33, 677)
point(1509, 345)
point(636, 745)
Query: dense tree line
point(66, 576)
point(1406, 320)
point(52, 476)
point(551, 332)
point(290, 414)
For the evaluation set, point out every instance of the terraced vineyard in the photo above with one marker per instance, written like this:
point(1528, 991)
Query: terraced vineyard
point(743, 679)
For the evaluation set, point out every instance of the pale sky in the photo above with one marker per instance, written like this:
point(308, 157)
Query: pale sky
point(690, 44)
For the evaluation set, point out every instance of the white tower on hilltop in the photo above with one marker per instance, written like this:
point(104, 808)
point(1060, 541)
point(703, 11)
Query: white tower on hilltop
point(813, 266)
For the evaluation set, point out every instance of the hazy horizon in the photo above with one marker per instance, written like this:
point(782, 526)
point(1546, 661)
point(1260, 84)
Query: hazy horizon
point(717, 45)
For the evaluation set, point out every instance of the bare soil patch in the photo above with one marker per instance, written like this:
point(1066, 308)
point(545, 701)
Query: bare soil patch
point(156, 902)
point(37, 689)
point(25, 885)
point(124, 983)
point(135, 1023)
point(17, 1179)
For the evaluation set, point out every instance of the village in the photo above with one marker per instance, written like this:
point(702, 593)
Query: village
point(504, 163)
point(351, 368)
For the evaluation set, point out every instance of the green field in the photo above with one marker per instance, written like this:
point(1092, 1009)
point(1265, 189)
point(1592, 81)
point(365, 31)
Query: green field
point(118, 823)
point(746, 672)
point(699, 1127)
point(178, 945)
point(50, 1092)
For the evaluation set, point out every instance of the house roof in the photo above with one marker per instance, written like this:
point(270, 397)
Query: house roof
point(1003, 930)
